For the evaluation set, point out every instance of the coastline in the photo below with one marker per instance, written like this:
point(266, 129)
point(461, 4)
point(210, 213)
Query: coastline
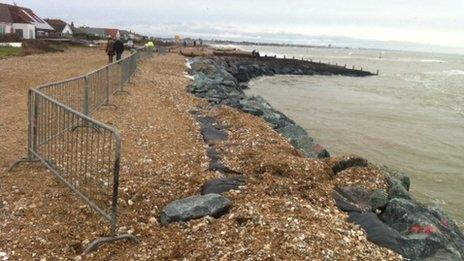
point(431, 218)
point(180, 147)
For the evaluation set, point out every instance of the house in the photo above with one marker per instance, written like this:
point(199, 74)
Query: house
point(93, 32)
point(22, 21)
point(113, 33)
point(61, 28)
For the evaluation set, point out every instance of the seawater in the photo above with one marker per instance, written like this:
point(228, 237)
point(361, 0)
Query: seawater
point(410, 117)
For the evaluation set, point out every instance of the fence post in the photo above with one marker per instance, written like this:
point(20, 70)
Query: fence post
point(121, 79)
point(85, 108)
point(34, 122)
point(107, 87)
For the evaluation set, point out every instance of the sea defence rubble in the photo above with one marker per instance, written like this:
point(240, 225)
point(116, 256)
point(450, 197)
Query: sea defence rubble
point(391, 217)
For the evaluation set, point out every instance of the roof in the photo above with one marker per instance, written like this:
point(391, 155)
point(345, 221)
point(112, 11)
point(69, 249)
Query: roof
point(57, 24)
point(93, 31)
point(112, 32)
point(22, 15)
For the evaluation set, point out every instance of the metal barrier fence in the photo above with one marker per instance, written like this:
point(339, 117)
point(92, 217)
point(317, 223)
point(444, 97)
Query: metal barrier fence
point(82, 152)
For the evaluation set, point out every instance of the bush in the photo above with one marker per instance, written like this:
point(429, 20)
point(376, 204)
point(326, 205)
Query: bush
point(8, 38)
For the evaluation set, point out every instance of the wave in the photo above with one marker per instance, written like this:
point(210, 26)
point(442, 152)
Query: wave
point(453, 72)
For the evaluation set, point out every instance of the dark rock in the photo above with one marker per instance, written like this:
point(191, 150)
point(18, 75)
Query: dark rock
point(426, 230)
point(194, 207)
point(378, 199)
point(396, 189)
point(401, 176)
point(355, 195)
point(299, 138)
point(377, 232)
point(212, 135)
point(344, 204)
point(219, 186)
point(349, 162)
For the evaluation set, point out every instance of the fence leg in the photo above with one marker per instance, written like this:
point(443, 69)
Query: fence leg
point(100, 241)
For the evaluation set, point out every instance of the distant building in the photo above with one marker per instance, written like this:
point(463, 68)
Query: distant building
point(61, 28)
point(94, 32)
point(22, 21)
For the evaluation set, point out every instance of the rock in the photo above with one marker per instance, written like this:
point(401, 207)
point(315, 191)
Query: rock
point(195, 207)
point(299, 138)
point(426, 230)
point(401, 176)
point(219, 186)
point(377, 232)
point(357, 196)
point(378, 199)
point(212, 135)
point(348, 162)
point(344, 204)
point(396, 189)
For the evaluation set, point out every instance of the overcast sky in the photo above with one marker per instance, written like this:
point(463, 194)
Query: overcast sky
point(437, 22)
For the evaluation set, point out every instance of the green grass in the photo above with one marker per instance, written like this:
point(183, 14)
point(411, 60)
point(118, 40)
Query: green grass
point(10, 51)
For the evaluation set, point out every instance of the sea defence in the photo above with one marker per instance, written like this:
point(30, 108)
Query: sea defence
point(391, 217)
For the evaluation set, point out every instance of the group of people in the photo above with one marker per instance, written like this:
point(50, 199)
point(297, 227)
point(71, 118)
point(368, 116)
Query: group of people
point(114, 47)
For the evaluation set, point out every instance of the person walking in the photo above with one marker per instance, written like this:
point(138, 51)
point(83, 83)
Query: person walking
point(118, 48)
point(110, 49)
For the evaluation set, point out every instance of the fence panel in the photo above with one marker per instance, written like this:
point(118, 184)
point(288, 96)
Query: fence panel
point(80, 151)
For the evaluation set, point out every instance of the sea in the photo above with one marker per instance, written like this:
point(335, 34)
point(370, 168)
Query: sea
point(409, 117)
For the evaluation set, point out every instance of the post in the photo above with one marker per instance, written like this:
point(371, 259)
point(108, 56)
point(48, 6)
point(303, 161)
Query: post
point(353, 67)
point(293, 57)
point(377, 72)
point(107, 87)
point(361, 69)
point(121, 80)
point(284, 57)
point(34, 122)
point(345, 65)
point(336, 64)
point(85, 108)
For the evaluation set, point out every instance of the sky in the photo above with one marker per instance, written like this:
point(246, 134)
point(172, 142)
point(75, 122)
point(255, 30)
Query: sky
point(433, 23)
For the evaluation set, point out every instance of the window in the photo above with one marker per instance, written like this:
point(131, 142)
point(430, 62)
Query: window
point(19, 32)
point(2, 29)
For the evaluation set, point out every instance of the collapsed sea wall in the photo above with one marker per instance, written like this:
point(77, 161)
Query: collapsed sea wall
point(391, 218)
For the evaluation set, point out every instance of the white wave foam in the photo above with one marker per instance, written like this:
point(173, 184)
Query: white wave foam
point(453, 72)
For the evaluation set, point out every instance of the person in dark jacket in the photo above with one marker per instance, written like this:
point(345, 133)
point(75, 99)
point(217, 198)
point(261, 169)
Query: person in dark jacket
point(110, 49)
point(118, 48)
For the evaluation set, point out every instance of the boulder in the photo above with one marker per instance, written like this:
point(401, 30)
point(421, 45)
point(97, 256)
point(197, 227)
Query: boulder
point(348, 162)
point(219, 186)
point(378, 199)
point(377, 232)
point(212, 136)
point(396, 189)
point(426, 230)
point(195, 207)
point(299, 138)
point(356, 195)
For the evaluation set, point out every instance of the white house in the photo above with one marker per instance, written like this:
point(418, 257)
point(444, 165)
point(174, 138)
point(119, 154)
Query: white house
point(62, 29)
point(22, 21)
